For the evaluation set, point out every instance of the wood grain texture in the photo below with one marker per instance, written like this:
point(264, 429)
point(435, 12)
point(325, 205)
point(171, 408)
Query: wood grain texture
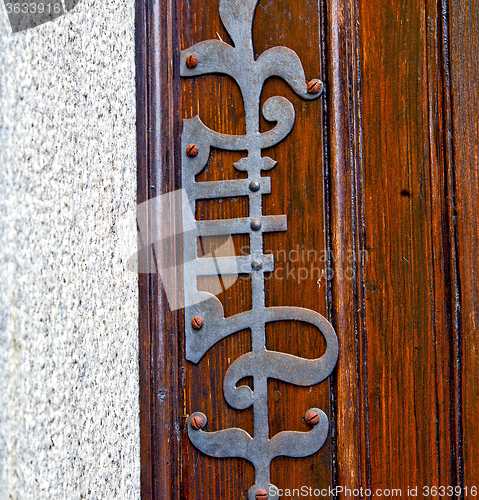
point(343, 201)
point(464, 74)
point(396, 390)
point(160, 343)
point(400, 354)
point(410, 354)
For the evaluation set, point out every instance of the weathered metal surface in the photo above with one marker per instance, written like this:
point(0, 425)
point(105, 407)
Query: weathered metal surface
point(213, 56)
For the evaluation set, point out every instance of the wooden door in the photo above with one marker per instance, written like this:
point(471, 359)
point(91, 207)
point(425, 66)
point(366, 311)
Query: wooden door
point(379, 182)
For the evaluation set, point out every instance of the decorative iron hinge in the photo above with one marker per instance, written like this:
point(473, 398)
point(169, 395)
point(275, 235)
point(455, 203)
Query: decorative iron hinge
point(204, 314)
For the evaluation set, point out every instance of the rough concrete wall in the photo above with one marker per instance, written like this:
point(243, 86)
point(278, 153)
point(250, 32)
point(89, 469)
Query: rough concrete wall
point(69, 426)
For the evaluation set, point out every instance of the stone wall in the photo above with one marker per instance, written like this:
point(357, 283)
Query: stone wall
point(69, 424)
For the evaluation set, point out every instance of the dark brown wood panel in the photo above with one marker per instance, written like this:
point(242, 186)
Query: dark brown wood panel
point(410, 349)
point(344, 239)
point(160, 339)
point(464, 75)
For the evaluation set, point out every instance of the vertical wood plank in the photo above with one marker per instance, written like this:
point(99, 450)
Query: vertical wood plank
point(464, 66)
point(443, 257)
point(345, 217)
point(397, 276)
point(408, 314)
point(142, 56)
point(157, 138)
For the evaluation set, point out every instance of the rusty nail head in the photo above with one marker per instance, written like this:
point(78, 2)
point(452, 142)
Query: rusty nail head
point(197, 322)
point(197, 423)
point(191, 61)
point(312, 417)
point(192, 150)
point(314, 86)
point(255, 224)
point(261, 494)
point(254, 185)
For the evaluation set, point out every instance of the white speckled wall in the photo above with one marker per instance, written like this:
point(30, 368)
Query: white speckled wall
point(69, 424)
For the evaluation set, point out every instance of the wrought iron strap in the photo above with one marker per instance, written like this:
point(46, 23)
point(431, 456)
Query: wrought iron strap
point(204, 316)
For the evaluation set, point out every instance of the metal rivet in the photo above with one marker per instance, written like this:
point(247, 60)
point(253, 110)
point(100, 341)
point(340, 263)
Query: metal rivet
point(254, 185)
point(192, 150)
point(197, 322)
point(314, 86)
point(261, 494)
point(255, 224)
point(256, 264)
point(312, 417)
point(191, 61)
point(197, 422)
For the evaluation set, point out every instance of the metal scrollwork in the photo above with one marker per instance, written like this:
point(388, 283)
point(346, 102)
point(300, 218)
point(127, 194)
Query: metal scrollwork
point(204, 319)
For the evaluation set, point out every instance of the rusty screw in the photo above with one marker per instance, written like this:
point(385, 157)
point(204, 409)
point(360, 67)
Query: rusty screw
point(197, 422)
point(191, 61)
point(192, 150)
point(314, 86)
point(261, 494)
point(312, 417)
point(197, 322)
